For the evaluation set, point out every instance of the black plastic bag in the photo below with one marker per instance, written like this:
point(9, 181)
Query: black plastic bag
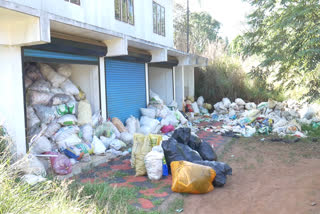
point(182, 135)
point(194, 142)
point(207, 152)
point(174, 151)
point(222, 170)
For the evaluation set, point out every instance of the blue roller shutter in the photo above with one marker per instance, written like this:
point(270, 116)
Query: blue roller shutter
point(126, 88)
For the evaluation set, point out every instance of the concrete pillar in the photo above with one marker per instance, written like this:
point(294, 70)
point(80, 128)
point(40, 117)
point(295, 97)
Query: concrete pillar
point(12, 113)
point(179, 85)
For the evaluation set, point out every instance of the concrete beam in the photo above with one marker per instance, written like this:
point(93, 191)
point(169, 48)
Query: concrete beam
point(117, 47)
point(159, 55)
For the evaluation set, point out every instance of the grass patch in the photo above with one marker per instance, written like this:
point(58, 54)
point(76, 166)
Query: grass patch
point(313, 131)
point(119, 173)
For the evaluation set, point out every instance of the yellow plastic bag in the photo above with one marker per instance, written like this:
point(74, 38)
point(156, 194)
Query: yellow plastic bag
point(188, 177)
point(141, 147)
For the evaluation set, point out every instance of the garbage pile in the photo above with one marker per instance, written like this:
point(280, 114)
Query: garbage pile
point(61, 127)
point(246, 119)
point(191, 161)
point(196, 108)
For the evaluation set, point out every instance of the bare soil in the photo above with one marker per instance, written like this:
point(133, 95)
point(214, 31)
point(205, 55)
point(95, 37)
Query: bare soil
point(268, 177)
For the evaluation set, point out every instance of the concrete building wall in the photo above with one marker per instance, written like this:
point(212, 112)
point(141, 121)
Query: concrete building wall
point(12, 99)
point(101, 13)
point(161, 82)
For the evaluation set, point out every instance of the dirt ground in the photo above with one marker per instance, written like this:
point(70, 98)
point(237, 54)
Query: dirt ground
point(268, 177)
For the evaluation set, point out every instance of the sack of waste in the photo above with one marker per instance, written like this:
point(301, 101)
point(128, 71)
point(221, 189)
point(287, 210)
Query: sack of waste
point(50, 74)
point(30, 164)
point(200, 101)
point(117, 144)
point(226, 102)
point(221, 169)
point(148, 112)
point(117, 123)
point(98, 146)
point(39, 145)
point(175, 151)
point(206, 152)
point(141, 147)
point(60, 163)
point(52, 128)
point(193, 178)
point(132, 125)
point(153, 162)
point(87, 133)
point(127, 138)
point(182, 135)
point(84, 112)
point(32, 118)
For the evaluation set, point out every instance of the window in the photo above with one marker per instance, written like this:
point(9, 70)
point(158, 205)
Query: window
point(159, 26)
point(74, 1)
point(124, 11)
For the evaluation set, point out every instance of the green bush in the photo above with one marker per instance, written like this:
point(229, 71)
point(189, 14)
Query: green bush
point(225, 77)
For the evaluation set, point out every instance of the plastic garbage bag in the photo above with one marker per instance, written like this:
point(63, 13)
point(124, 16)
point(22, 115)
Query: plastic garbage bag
point(87, 133)
point(173, 105)
point(195, 108)
point(182, 118)
point(174, 151)
point(148, 125)
point(107, 141)
point(234, 106)
point(106, 129)
point(32, 118)
point(52, 129)
point(41, 85)
point(67, 120)
point(32, 71)
point(155, 98)
point(132, 125)
point(166, 129)
point(30, 164)
point(38, 97)
point(45, 113)
point(117, 144)
point(206, 152)
point(191, 178)
point(96, 119)
point(240, 102)
point(263, 105)
point(98, 146)
point(117, 123)
point(182, 135)
point(49, 73)
point(153, 163)
point(69, 88)
point(170, 119)
point(65, 132)
point(280, 123)
point(200, 101)
point(194, 142)
point(59, 99)
point(70, 140)
point(148, 112)
point(64, 70)
point(250, 106)
point(141, 147)
point(84, 112)
point(40, 145)
point(221, 169)
point(60, 164)
point(127, 138)
point(226, 102)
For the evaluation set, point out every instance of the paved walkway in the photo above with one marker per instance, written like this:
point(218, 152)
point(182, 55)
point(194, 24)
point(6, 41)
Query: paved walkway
point(150, 194)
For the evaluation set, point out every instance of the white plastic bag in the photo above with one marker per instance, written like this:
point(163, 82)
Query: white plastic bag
point(170, 119)
point(155, 98)
point(96, 119)
point(65, 132)
point(32, 118)
point(148, 125)
point(55, 79)
point(30, 164)
point(84, 112)
point(148, 112)
point(250, 106)
point(69, 141)
point(200, 101)
point(59, 99)
point(39, 98)
point(127, 138)
point(40, 145)
point(182, 119)
point(195, 108)
point(226, 102)
point(32, 179)
point(70, 88)
point(41, 85)
point(98, 146)
point(46, 114)
point(52, 128)
point(240, 102)
point(87, 133)
point(64, 70)
point(67, 120)
point(153, 163)
point(117, 144)
point(131, 125)
point(107, 140)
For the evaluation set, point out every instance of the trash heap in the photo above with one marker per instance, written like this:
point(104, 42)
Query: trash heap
point(61, 128)
point(196, 108)
point(156, 157)
point(246, 119)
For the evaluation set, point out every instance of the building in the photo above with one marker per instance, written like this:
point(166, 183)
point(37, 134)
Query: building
point(118, 49)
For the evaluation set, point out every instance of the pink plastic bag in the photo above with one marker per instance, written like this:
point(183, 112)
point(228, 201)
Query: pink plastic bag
point(166, 129)
point(61, 164)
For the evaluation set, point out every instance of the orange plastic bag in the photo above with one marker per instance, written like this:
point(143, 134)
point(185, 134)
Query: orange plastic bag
point(188, 177)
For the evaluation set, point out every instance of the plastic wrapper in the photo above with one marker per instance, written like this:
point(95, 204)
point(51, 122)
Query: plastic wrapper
point(67, 120)
point(69, 88)
point(49, 73)
point(84, 112)
point(191, 178)
point(153, 163)
point(46, 114)
point(117, 123)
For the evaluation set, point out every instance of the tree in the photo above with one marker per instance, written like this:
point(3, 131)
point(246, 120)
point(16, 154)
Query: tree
point(203, 30)
point(286, 33)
